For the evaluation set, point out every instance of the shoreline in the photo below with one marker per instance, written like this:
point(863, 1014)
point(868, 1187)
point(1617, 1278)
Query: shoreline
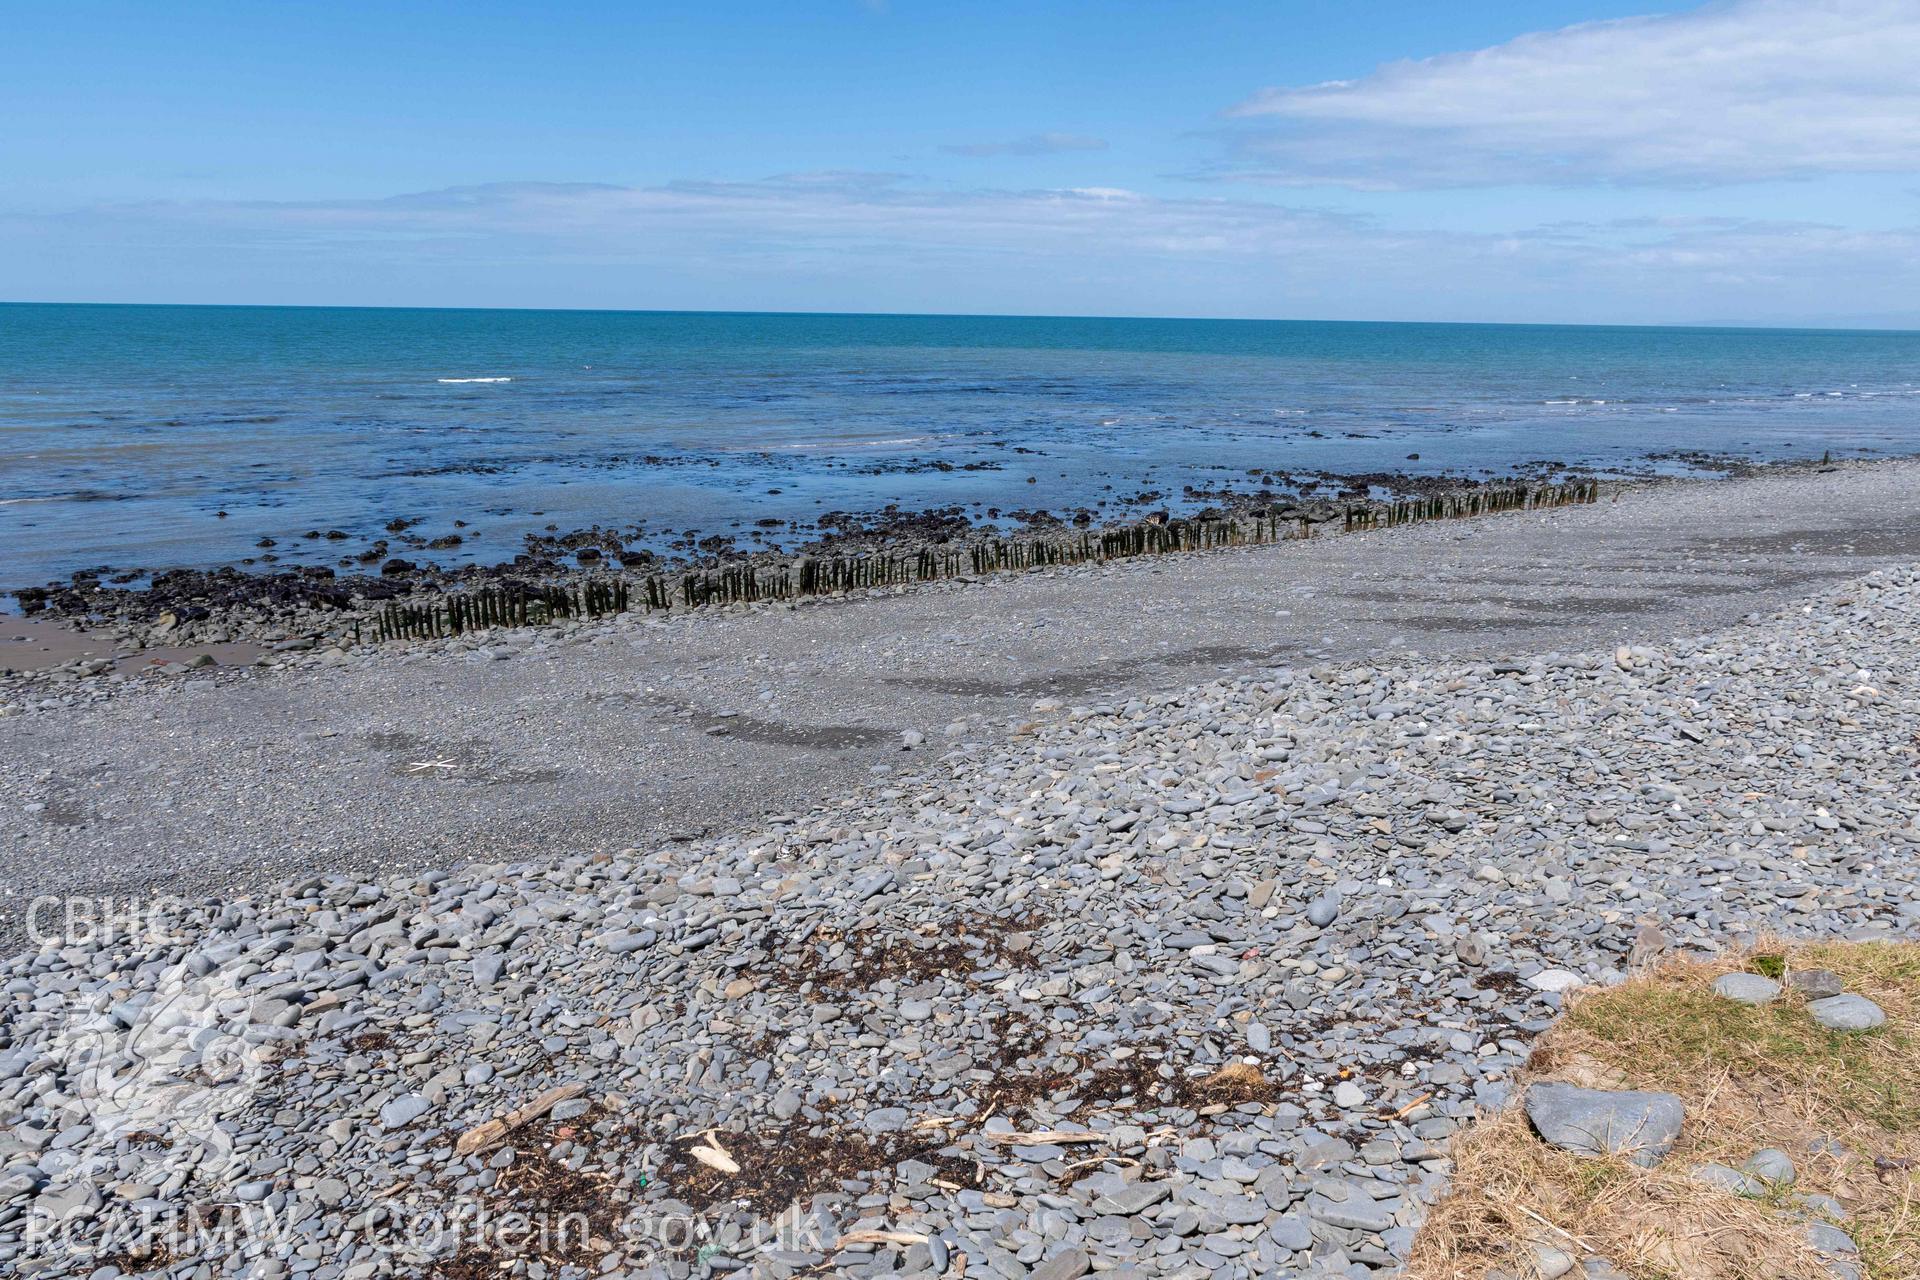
point(230, 614)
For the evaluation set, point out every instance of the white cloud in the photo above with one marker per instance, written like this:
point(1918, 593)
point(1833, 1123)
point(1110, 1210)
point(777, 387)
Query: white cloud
point(1038, 144)
point(1739, 91)
point(863, 241)
point(815, 213)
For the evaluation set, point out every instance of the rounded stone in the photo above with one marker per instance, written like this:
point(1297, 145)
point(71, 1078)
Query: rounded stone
point(1847, 1013)
point(1772, 1166)
point(1746, 988)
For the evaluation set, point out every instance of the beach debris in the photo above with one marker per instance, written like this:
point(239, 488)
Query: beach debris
point(483, 1137)
point(880, 1237)
point(1046, 1137)
point(1241, 1074)
point(714, 1156)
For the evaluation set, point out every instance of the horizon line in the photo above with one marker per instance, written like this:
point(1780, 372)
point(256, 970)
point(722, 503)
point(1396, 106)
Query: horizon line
point(976, 315)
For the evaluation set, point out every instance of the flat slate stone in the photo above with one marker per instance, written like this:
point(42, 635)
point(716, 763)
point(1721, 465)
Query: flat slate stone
point(1847, 1013)
point(1728, 1179)
point(1747, 988)
point(403, 1110)
point(1639, 1124)
point(1068, 1264)
point(1354, 1213)
point(1816, 984)
point(1555, 980)
point(1830, 1239)
point(1325, 1154)
point(1135, 1197)
point(1824, 1205)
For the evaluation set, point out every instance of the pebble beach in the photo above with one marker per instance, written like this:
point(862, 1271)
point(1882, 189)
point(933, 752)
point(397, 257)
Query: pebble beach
point(826, 643)
point(1194, 978)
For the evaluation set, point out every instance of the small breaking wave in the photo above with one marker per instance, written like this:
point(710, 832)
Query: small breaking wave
point(473, 379)
point(891, 442)
point(78, 495)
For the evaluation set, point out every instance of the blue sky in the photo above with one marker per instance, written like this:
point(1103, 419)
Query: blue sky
point(1752, 161)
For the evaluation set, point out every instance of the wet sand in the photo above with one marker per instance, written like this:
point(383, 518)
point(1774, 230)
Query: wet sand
point(31, 644)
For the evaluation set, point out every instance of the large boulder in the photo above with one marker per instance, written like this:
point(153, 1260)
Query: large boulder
point(1638, 1124)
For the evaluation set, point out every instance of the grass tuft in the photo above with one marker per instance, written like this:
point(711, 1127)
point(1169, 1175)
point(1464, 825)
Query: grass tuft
point(1846, 1109)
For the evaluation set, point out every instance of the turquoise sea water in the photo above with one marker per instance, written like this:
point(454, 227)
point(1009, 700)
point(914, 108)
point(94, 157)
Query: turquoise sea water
point(125, 430)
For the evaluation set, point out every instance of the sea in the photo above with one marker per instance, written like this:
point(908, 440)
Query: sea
point(138, 438)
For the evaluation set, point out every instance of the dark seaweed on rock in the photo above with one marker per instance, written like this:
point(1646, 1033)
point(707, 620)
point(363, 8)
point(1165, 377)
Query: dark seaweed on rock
point(196, 593)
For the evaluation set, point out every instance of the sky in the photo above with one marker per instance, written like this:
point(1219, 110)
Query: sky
point(1745, 162)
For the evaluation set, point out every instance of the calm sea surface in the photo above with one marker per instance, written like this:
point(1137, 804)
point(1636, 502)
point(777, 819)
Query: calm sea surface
point(124, 430)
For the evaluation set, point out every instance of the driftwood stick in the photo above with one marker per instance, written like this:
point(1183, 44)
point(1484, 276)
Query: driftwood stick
point(1043, 1137)
point(484, 1137)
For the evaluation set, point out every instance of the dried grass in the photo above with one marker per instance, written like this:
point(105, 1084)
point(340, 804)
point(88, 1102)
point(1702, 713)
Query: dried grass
point(1751, 1078)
